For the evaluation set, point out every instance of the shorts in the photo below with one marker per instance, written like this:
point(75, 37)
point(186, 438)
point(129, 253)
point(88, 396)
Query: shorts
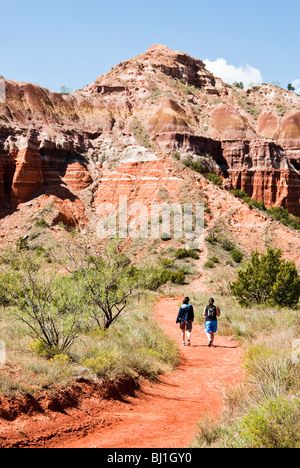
point(211, 327)
point(186, 325)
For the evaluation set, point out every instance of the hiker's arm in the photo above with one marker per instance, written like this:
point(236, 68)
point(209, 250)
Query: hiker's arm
point(218, 312)
point(192, 314)
point(204, 312)
point(179, 315)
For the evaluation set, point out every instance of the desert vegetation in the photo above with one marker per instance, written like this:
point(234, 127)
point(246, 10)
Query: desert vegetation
point(276, 212)
point(264, 411)
point(68, 312)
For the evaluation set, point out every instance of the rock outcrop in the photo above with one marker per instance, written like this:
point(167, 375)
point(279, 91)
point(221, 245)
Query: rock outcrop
point(72, 146)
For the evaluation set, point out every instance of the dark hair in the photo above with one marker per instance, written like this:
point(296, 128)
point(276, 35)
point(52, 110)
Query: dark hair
point(211, 300)
point(186, 300)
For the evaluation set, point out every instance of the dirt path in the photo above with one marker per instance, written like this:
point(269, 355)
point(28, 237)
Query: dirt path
point(165, 414)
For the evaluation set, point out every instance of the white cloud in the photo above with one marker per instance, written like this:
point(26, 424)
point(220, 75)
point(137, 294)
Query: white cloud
point(296, 84)
point(230, 74)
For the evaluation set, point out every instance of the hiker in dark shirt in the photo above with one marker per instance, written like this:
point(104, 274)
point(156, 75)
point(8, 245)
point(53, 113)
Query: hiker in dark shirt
point(185, 318)
point(211, 314)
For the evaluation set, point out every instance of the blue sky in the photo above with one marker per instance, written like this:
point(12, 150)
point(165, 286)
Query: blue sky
point(55, 43)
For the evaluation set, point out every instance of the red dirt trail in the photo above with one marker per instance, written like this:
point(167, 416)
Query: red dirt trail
point(165, 414)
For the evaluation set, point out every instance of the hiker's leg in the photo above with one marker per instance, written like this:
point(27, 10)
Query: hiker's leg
point(189, 334)
point(189, 329)
point(183, 330)
point(212, 337)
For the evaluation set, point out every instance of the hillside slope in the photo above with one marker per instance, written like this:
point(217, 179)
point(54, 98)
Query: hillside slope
point(63, 156)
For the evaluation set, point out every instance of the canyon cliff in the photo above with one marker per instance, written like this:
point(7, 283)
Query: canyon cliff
point(119, 135)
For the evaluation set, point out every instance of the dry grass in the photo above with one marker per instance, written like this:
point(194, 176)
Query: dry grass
point(269, 396)
point(135, 346)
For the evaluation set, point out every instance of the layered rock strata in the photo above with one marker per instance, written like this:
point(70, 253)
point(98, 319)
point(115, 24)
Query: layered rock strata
point(163, 101)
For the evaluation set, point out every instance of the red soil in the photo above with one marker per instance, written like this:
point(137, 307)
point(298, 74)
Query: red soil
point(157, 415)
point(165, 414)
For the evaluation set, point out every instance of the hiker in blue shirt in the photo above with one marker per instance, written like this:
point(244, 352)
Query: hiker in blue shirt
point(185, 318)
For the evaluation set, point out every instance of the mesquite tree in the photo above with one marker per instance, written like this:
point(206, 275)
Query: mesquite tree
point(109, 280)
point(47, 302)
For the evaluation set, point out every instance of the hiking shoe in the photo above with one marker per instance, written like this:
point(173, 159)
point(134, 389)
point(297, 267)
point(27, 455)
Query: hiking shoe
point(184, 343)
point(209, 344)
point(189, 343)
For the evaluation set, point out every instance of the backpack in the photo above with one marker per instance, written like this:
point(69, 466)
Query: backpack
point(211, 312)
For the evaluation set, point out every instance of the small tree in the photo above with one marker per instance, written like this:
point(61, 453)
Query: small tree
point(109, 281)
point(46, 302)
point(65, 90)
point(268, 279)
point(238, 84)
point(290, 87)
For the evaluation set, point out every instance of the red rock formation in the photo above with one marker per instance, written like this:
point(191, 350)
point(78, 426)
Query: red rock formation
point(262, 170)
point(28, 176)
point(267, 125)
point(230, 124)
point(164, 100)
point(77, 177)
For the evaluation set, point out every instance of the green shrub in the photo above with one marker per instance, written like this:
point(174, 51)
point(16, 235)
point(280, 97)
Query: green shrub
point(167, 262)
point(41, 223)
point(251, 202)
point(215, 260)
point(104, 362)
point(268, 279)
point(211, 239)
point(215, 179)
point(22, 244)
point(275, 424)
point(197, 166)
point(283, 216)
point(178, 277)
point(238, 84)
point(184, 253)
point(156, 277)
point(227, 245)
point(256, 204)
point(236, 255)
point(209, 264)
point(240, 194)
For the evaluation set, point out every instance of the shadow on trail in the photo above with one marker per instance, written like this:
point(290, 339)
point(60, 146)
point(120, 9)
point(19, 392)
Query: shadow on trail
point(215, 346)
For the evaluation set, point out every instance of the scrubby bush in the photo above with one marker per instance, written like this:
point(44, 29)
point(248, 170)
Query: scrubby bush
point(256, 204)
point(274, 424)
point(41, 223)
point(268, 279)
point(177, 277)
point(50, 305)
point(215, 179)
point(215, 260)
point(227, 245)
point(251, 202)
point(186, 253)
point(158, 276)
point(209, 264)
point(283, 216)
point(276, 212)
point(236, 255)
point(176, 155)
point(197, 166)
